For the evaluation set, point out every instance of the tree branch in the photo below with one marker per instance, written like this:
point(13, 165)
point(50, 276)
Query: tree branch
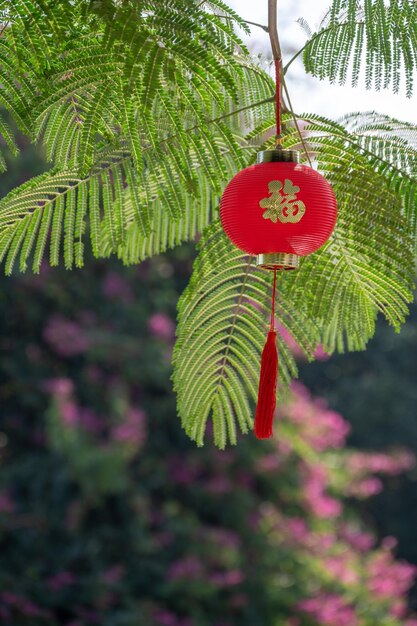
point(273, 30)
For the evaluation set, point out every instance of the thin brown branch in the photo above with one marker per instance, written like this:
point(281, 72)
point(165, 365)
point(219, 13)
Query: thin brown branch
point(273, 30)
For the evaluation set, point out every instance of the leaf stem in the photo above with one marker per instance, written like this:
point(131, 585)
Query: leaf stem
point(233, 324)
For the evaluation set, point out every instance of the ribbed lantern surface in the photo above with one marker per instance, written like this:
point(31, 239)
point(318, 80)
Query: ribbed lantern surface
point(278, 207)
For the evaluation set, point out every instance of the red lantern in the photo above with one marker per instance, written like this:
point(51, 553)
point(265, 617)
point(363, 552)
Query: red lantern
point(280, 211)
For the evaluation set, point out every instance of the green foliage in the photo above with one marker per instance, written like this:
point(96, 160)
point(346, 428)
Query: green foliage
point(384, 35)
point(134, 120)
point(145, 111)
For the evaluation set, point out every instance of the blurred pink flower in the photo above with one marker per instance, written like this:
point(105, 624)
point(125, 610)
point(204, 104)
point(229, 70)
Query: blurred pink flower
point(358, 539)
point(114, 574)
point(166, 618)
point(6, 503)
point(319, 426)
point(381, 463)
point(320, 354)
point(223, 537)
point(58, 386)
point(65, 336)
point(329, 610)
point(187, 567)
point(182, 470)
point(69, 412)
point(239, 600)
point(365, 488)
point(219, 484)
point(117, 288)
point(230, 578)
point(269, 463)
point(60, 580)
point(314, 483)
point(132, 430)
point(162, 326)
point(297, 528)
point(341, 566)
point(388, 578)
point(292, 344)
point(22, 604)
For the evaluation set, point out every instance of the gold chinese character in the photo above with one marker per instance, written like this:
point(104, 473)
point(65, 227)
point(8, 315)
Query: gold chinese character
point(282, 204)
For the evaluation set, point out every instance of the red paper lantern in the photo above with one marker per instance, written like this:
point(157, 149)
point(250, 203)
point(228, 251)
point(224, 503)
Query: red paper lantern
point(280, 211)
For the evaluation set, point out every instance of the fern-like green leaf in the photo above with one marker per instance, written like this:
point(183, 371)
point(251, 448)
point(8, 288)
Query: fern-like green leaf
point(222, 324)
point(385, 34)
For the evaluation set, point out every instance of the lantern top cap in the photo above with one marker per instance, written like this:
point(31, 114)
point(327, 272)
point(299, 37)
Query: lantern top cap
point(279, 155)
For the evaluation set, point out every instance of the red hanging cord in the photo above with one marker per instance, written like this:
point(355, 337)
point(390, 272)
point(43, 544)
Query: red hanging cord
point(274, 289)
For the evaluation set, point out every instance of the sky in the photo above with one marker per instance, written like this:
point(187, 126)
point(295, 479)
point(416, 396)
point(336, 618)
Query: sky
point(308, 94)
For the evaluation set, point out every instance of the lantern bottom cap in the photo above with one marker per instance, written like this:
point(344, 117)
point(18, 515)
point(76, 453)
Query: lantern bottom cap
point(278, 261)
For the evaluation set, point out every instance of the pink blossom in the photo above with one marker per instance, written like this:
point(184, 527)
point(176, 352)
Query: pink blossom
point(219, 485)
point(69, 412)
point(9, 598)
point(329, 610)
point(341, 567)
point(161, 326)
point(22, 604)
point(182, 471)
point(269, 463)
point(60, 580)
point(116, 288)
point(59, 386)
point(90, 421)
point(297, 528)
point(223, 537)
point(132, 430)
point(187, 567)
point(320, 427)
point(314, 482)
point(65, 336)
point(358, 539)
point(388, 578)
point(6, 503)
point(114, 574)
point(365, 488)
point(238, 601)
point(166, 618)
point(320, 354)
point(380, 463)
point(292, 344)
point(389, 543)
point(230, 578)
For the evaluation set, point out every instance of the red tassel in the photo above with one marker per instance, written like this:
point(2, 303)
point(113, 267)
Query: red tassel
point(267, 388)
